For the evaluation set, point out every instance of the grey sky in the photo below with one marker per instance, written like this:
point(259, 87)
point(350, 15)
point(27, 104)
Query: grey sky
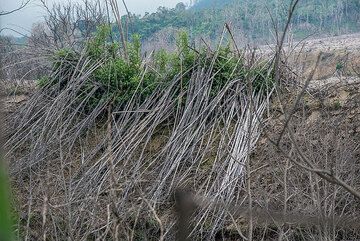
point(23, 20)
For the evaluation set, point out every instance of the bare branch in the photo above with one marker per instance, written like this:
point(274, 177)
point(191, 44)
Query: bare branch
point(23, 4)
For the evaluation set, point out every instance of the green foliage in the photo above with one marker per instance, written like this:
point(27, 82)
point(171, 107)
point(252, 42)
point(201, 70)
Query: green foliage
point(207, 17)
point(184, 58)
point(201, 4)
point(161, 60)
point(99, 46)
point(119, 79)
point(339, 66)
point(134, 49)
point(6, 224)
point(337, 105)
point(43, 81)
point(64, 64)
point(226, 67)
point(64, 57)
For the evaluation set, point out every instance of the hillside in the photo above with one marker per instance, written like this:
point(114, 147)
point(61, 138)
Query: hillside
point(251, 19)
point(326, 123)
point(202, 4)
point(176, 135)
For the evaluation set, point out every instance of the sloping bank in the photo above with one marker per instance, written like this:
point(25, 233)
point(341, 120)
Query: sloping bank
point(99, 148)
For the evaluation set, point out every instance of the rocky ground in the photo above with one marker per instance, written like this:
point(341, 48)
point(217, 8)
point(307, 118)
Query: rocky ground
point(339, 62)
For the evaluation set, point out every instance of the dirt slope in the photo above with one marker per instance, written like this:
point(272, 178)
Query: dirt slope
point(326, 125)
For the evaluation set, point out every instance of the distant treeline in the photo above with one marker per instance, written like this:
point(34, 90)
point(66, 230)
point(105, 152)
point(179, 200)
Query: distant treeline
point(254, 20)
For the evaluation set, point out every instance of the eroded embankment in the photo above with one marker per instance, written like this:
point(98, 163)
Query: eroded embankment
point(122, 173)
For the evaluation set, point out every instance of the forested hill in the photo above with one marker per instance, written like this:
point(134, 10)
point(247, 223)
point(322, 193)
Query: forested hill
point(201, 4)
point(251, 19)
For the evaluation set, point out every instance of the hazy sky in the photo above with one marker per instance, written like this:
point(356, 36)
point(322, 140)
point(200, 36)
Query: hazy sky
point(24, 19)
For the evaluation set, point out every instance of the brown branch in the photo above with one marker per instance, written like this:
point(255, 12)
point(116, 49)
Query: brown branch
point(302, 92)
point(280, 44)
point(232, 38)
point(116, 11)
